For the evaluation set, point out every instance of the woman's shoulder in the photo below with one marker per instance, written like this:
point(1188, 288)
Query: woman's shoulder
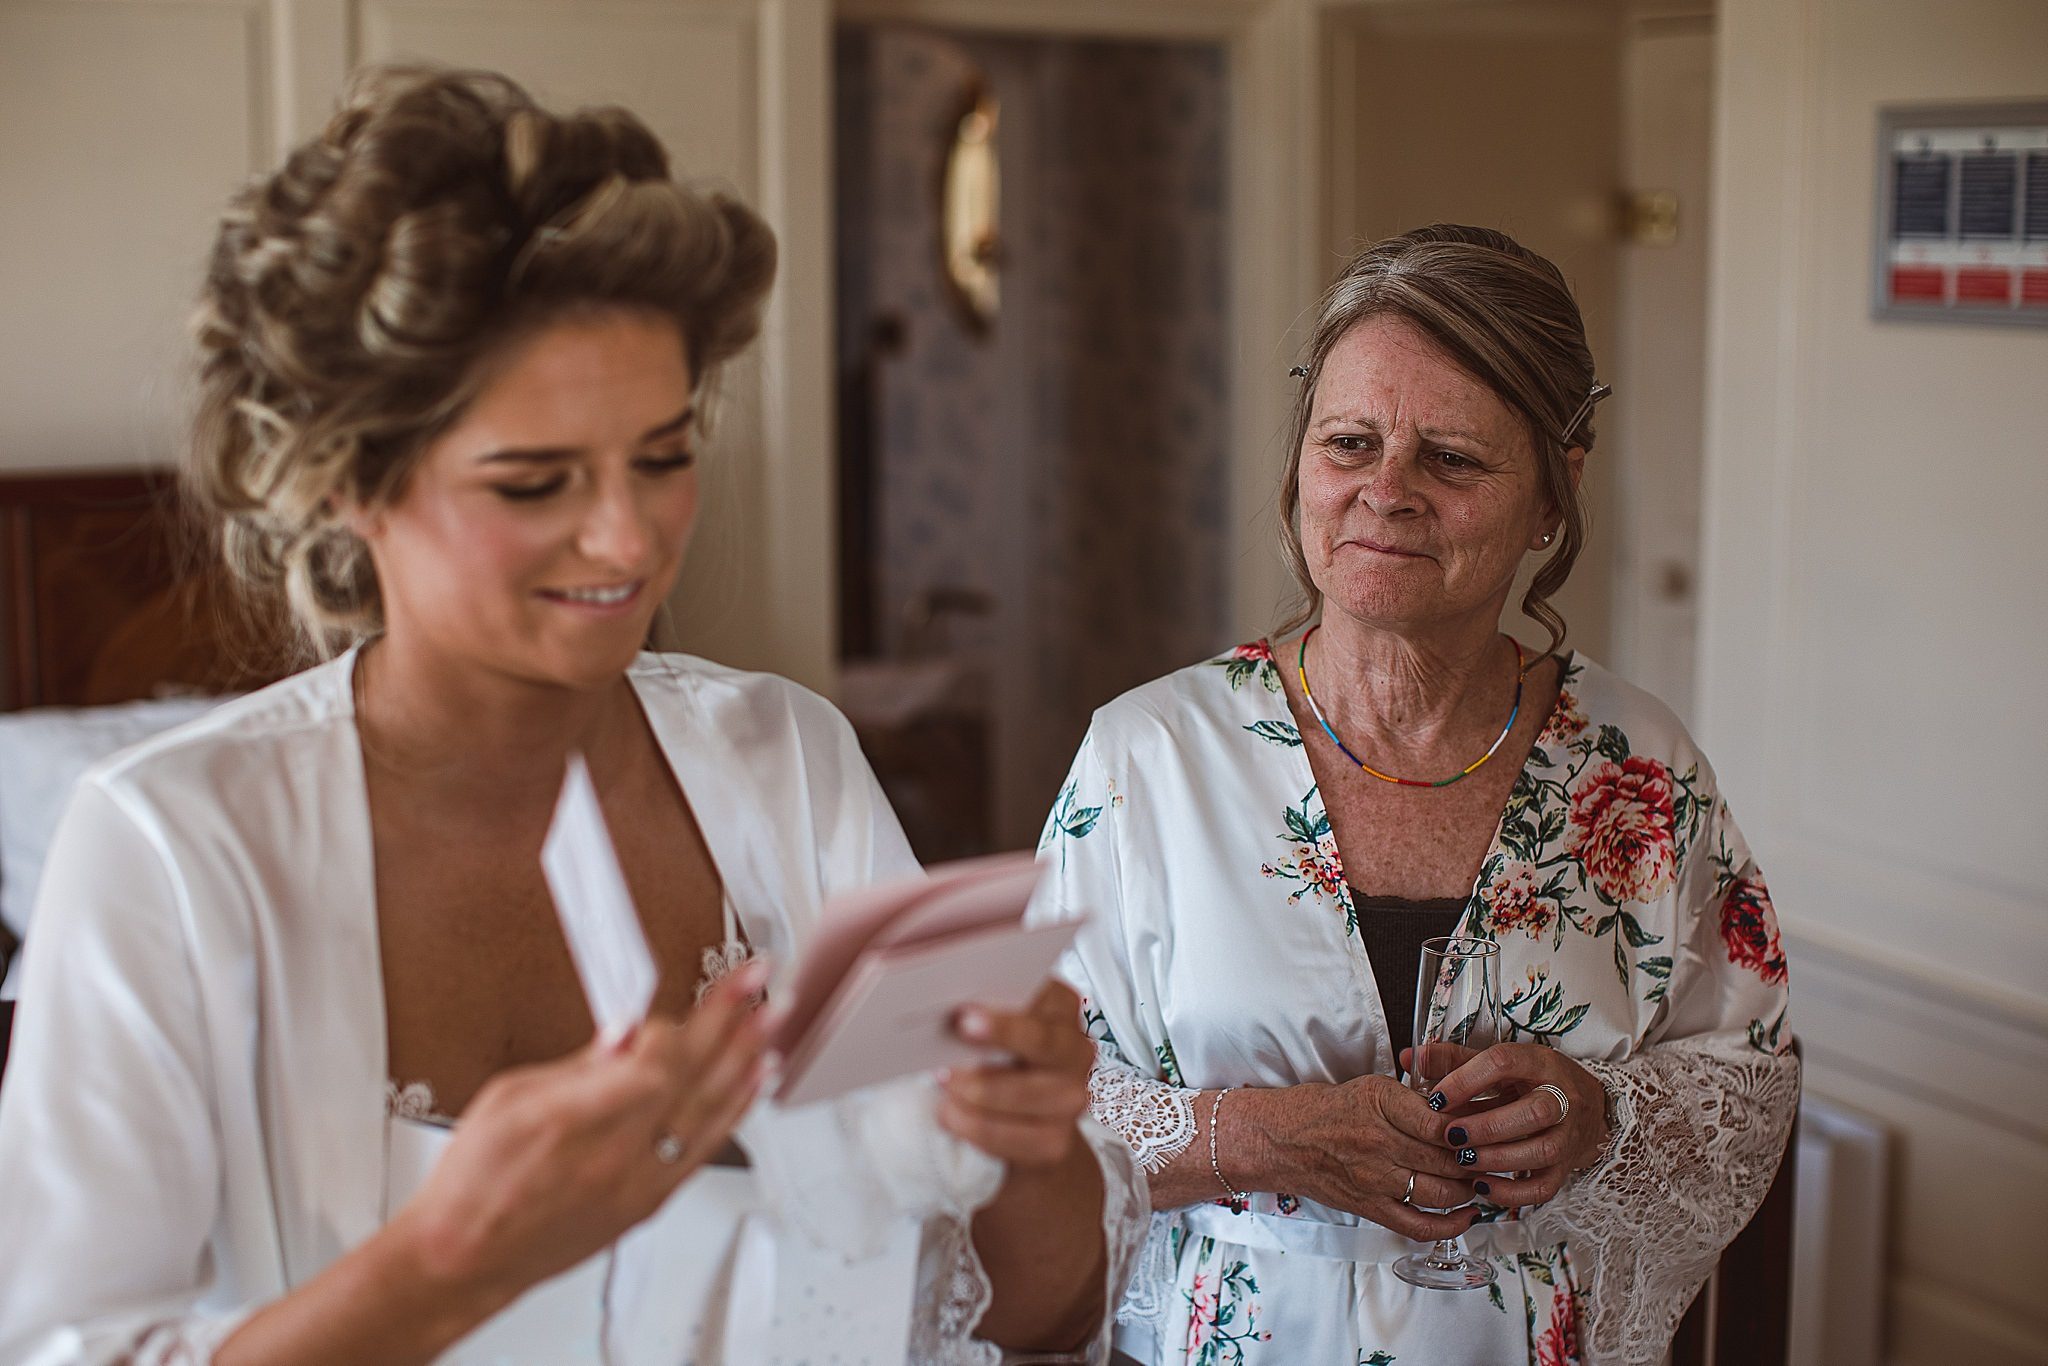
point(1231, 690)
point(745, 705)
point(1598, 706)
point(253, 730)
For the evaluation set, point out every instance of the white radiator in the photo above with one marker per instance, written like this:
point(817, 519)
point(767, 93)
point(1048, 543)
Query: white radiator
point(1838, 1237)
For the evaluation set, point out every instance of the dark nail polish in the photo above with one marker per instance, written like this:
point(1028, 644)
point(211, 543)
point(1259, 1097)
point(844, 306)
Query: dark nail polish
point(1467, 1156)
point(1482, 1188)
point(1458, 1134)
point(1436, 1100)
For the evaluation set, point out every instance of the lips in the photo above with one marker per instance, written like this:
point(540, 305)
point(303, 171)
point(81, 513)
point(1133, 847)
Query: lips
point(1385, 549)
point(596, 595)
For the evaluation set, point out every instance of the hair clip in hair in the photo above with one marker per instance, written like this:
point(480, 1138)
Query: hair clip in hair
point(1593, 396)
point(1299, 371)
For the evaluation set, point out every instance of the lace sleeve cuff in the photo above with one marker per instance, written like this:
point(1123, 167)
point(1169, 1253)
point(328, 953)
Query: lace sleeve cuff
point(1156, 1120)
point(1696, 1131)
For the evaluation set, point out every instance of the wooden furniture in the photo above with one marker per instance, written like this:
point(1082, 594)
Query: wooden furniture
point(109, 592)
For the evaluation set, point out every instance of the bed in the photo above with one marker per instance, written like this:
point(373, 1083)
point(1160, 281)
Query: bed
point(114, 623)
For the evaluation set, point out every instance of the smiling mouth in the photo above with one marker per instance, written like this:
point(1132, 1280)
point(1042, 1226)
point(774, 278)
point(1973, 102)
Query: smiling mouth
point(1390, 550)
point(613, 595)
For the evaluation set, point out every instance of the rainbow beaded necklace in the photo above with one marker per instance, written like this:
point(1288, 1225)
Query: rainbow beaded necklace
point(1301, 669)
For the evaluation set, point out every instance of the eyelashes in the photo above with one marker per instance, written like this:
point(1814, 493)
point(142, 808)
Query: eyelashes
point(655, 465)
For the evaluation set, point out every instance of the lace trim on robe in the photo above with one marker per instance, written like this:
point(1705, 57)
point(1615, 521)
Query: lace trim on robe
point(1699, 1127)
point(1155, 1119)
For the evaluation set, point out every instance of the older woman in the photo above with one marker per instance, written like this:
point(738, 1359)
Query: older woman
point(1266, 839)
point(304, 1073)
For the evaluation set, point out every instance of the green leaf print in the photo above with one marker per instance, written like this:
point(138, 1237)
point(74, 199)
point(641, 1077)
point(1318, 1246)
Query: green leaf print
point(1538, 1010)
point(1637, 935)
point(1766, 1039)
point(1493, 1293)
point(1169, 1065)
point(1282, 733)
point(1612, 744)
point(1536, 1266)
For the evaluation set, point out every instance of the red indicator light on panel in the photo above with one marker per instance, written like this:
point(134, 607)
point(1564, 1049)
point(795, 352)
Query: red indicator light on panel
point(1918, 284)
point(1984, 285)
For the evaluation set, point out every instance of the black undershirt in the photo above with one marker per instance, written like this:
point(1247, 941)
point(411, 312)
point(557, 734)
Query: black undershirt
point(1392, 929)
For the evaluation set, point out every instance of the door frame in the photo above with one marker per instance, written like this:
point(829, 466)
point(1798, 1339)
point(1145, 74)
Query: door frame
point(1275, 79)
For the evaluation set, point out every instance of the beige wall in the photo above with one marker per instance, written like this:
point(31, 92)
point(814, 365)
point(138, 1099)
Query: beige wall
point(1873, 647)
point(1503, 114)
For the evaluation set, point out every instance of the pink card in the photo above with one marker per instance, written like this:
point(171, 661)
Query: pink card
point(877, 990)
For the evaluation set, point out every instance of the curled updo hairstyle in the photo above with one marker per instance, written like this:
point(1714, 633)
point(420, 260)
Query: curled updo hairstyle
point(1506, 317)
point(355, 300)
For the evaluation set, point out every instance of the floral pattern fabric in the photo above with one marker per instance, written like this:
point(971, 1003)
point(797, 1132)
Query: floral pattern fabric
point(1223, 949)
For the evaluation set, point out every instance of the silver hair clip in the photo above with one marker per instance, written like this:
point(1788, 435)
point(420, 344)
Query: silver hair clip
point(1593, 396)
point(1299, 372)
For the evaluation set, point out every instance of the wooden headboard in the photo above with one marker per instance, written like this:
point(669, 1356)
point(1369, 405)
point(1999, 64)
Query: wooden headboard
point(108, 593)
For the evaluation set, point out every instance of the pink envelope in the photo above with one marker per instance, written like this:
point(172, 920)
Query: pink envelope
point(876, 992)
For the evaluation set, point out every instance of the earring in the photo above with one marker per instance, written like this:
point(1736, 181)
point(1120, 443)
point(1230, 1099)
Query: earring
point(1548, 537)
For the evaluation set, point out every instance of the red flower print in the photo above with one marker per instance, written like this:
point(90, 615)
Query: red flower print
point(1257, 652)
point(1202, 1318)
point(1513, 901)
point(1750, 929)
point(1559, 1345)
point(1566, 721)
point(1622, 828)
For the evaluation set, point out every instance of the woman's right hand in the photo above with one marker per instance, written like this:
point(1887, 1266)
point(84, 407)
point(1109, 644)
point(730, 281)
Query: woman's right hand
point(553, 1162)
point(1351, 1145)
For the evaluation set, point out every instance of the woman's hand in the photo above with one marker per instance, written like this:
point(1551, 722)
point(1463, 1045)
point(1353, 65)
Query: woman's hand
point(555, 1161)
point(1528, 1131)
point(1024, 1110)
point(1352, 1146)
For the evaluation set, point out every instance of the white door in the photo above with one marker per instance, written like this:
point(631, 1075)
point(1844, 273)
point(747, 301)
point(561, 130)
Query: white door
point(1655, 431)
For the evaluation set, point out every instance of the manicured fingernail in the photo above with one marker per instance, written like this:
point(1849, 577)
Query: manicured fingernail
point(974, 1024)
point(1482, 1188)
point(1467, 1156)
point(1458, 1134)
point(1436, 1100)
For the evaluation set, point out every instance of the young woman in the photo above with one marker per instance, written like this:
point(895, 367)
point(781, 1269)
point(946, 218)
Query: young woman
point(303, 1071)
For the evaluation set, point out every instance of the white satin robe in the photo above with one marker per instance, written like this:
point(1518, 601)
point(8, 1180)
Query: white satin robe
point(194, 1119)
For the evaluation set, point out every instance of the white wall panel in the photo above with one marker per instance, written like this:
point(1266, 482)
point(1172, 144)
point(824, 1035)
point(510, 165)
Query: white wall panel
point(1872, 648)
point(123, 129)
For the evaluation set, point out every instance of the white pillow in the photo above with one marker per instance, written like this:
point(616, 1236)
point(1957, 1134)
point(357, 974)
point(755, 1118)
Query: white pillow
point(43, 752)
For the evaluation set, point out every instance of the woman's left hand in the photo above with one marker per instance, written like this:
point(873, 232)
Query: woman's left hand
point(1529, 1131)
point(1023, 1111)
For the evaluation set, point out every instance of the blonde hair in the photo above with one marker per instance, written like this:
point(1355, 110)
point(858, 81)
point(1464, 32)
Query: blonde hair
point(1506, 317)
point(354, 300)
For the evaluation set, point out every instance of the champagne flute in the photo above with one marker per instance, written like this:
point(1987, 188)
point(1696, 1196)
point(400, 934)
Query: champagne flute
point(1457, 1013)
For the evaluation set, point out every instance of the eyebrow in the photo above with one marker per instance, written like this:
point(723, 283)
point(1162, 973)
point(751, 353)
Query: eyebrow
point(548, 455)
point(1431, 433)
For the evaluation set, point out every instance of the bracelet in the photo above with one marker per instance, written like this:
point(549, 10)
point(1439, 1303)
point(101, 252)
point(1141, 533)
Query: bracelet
point(1239, 1200)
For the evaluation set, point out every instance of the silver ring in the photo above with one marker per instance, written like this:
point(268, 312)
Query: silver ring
point(1564, 1102)
point(668, 1148)
point(1408, 1196)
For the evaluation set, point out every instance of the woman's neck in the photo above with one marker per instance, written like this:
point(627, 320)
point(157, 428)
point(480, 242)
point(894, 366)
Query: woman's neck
point(457, 725)
point(1408, 693)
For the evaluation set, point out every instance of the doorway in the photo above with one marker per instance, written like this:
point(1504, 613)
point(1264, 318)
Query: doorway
point(1580, 127)
point(1033, 460)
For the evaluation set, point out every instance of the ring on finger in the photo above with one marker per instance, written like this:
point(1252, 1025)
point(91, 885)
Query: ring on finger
point(668, 1147)
point(1564, 1104)
point(1408, 1196)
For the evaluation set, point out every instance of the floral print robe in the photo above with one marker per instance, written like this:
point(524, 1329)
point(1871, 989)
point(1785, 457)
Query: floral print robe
point(1222, 949)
